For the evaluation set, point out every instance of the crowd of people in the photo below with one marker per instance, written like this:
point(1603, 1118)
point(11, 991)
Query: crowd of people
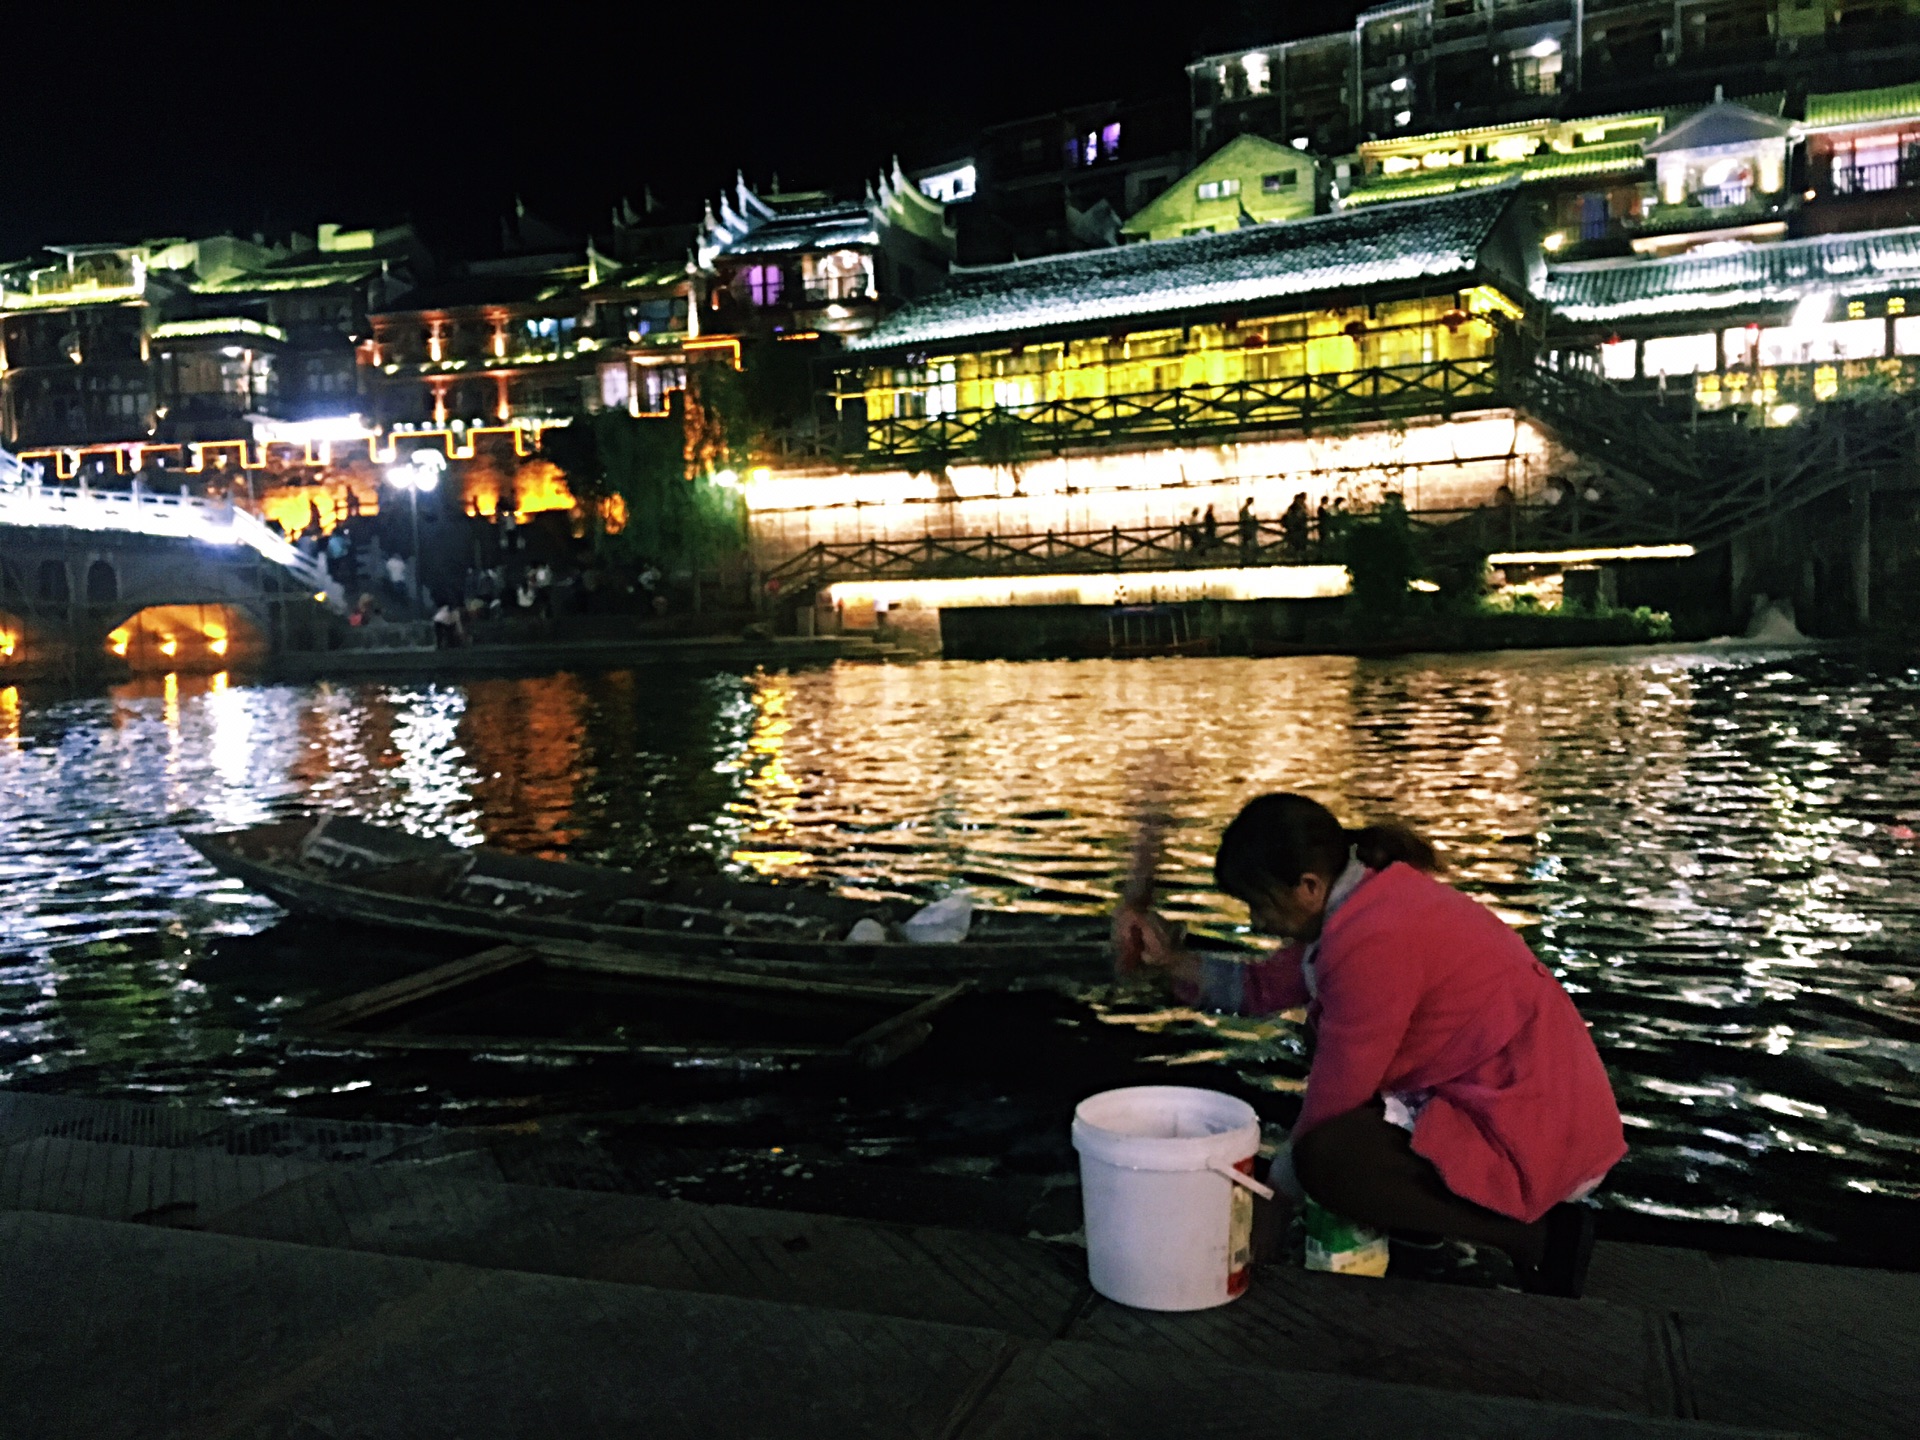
point(486, 569)
point(1305, 531)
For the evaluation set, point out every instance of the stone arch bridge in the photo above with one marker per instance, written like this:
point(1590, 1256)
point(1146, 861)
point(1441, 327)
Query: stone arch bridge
point(79, 569)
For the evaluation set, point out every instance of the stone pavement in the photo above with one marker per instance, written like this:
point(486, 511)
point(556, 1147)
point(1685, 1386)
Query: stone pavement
point(174, 1272)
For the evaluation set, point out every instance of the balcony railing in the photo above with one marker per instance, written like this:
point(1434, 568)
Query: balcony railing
point(1725, 197)
point(1902, 173)
point(1436, 387)
point(839, 287)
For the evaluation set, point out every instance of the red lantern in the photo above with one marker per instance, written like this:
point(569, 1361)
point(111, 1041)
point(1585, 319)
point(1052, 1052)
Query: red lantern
point(1454, 319)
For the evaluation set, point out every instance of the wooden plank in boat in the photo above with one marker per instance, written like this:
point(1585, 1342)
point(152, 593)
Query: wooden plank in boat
point(863, 1023)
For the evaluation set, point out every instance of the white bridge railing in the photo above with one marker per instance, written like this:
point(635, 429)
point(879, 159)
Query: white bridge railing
point(139, 511)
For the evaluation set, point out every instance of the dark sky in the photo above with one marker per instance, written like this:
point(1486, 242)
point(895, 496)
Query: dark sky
point(164, 120)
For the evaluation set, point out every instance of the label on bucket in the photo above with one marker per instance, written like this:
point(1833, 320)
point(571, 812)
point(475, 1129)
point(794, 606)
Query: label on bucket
point(1240, 1233)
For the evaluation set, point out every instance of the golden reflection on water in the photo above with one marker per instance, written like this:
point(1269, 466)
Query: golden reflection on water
point(527, 742)
point(772, 794)
point(1716, 851)
point(1025, 778)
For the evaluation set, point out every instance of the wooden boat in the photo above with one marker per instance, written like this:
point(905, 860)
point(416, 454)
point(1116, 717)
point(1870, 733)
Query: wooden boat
point(339, 868)
point(588, 1000)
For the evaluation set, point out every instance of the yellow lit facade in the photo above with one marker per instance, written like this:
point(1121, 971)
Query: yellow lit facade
point(1458, 326)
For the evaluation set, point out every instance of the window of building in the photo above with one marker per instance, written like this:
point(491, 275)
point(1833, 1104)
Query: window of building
point(837, 275)
point(1536, 69)
point(1616, 359)
point(943, 390)
point(1679, 354)
point(1217, 189)
point(1101, 143)
point(1008, 394)
point(950, 187)
point(764, 284)
point(1259, 72)
point(1876, 162)
point(1835, 340)
point(615, 385)
point(1282, 180)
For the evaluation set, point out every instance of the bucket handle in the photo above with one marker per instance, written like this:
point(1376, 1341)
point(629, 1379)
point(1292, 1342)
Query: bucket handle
point(1241, 1179)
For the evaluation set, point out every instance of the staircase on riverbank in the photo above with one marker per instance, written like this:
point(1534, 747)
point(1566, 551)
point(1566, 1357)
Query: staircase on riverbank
point(168, 1270)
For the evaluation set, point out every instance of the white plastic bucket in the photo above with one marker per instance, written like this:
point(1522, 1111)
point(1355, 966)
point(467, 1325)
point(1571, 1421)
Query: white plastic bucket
point(1166, 1228)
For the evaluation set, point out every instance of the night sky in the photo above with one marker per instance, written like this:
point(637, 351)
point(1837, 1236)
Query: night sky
point(170, 121)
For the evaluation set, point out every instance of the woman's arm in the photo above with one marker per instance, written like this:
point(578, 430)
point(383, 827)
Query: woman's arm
point(1142, 941)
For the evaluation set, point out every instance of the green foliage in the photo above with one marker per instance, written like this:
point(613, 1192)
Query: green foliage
point(1654, 624)
point(1382, 554)
point(677, 523)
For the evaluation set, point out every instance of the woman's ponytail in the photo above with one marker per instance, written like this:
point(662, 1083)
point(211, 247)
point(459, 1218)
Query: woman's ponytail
point(1379, 846)
point(1275, 839)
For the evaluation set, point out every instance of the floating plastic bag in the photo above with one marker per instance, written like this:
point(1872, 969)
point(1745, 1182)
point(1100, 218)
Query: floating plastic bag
point(945, 922)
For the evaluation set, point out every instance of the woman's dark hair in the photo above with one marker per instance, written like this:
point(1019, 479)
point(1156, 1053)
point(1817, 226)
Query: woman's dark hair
point(1276, 839)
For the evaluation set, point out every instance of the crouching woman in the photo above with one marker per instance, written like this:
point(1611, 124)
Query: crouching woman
point(1453, 1089)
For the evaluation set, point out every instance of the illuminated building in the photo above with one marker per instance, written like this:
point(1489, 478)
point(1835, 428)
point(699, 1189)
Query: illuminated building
point(806, 264)
point(538, 338)
point(1862, 159)
point(1344, 356)
point(1417, 66)
point(1773, 326)
point(177, 341)
point(1065, 180)
point(1247, 181)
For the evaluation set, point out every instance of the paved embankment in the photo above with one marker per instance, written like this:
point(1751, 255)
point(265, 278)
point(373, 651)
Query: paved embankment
point(172, 1271)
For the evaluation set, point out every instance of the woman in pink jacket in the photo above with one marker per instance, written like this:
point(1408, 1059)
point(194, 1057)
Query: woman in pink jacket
point(1454, 1089)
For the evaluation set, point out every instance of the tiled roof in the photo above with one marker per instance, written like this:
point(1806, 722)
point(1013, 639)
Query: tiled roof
point(830, 228)
point(1778, 273)
point(1619, 157)
point(1727, 122)
point(1380, 245)
point(1854, 107)
point(293, 277)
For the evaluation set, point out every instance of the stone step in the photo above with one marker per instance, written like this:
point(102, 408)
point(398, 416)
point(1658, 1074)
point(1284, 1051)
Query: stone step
point(1589, 1353)
point(1665, 1332)
point(114, 1330)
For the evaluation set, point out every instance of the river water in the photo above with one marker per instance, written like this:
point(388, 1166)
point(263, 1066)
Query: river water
point(1715, 850)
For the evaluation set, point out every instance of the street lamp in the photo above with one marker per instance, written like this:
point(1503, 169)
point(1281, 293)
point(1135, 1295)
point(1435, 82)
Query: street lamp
point(419, 476)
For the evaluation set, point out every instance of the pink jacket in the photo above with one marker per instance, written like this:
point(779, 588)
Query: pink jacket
point(1422, 989)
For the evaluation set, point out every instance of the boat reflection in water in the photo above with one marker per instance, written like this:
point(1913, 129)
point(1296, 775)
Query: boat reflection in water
point(1715, 850)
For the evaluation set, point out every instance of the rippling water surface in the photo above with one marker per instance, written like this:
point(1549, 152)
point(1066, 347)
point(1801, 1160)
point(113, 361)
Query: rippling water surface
point(1715, 850)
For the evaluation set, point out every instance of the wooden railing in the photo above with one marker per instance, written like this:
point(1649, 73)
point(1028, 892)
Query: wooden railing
point(1438, 387)
point(1657, 469)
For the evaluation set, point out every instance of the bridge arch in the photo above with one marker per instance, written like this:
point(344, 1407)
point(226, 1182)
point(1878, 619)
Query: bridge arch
point(203, 637)
point(103, 583)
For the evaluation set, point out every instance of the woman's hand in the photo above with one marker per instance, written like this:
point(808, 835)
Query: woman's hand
point(1143, 941)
